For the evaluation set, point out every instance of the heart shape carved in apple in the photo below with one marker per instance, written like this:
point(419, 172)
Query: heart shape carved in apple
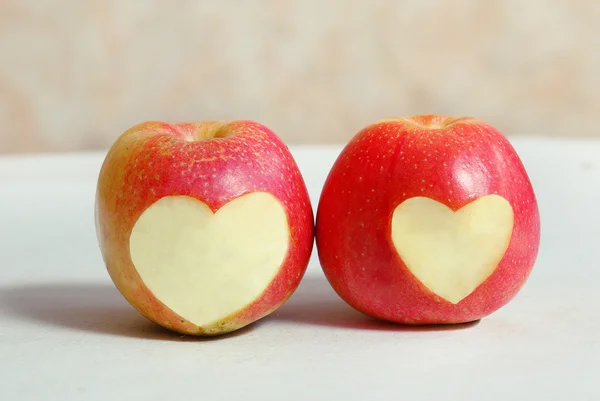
point(452, 252)
point(203, 265)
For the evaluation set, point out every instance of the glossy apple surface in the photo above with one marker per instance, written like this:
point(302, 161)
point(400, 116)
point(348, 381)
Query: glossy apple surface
point(428, 220)
point(204, 227)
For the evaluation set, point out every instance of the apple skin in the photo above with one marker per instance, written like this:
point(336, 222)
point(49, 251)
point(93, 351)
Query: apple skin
point(453, 161)
point(156, 159)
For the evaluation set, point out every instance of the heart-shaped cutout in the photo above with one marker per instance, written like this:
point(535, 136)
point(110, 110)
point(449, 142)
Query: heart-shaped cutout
point(452, 252)
point(205, 266)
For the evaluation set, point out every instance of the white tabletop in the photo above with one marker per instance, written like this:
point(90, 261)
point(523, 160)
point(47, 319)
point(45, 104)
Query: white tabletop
point(67, 334)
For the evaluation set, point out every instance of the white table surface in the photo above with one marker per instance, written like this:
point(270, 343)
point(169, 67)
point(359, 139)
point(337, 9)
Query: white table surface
point(67, 334)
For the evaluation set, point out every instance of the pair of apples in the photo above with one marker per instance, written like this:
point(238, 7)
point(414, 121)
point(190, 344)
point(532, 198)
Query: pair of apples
point(207, 227)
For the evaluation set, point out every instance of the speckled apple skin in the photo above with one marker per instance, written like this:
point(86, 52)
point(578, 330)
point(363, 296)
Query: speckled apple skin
point(155, 159)
point(397, 159)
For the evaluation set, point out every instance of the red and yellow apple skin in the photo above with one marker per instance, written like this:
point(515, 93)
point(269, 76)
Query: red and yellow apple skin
point(214, 162)
point(449, 160)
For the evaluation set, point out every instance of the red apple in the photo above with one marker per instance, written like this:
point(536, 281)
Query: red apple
point(204, 227)
point(428, 220)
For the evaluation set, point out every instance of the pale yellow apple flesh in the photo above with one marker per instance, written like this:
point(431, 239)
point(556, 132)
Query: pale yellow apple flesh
point(450, 252)
point(206, 266)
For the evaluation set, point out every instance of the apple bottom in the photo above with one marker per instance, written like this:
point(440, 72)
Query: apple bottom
point(391, 293)
point(435, 265)
point(204, 272)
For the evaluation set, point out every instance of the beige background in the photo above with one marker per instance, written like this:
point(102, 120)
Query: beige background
point(75, 74)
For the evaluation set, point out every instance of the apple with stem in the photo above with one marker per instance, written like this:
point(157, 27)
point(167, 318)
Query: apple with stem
point(428, 220)
point(204, 227)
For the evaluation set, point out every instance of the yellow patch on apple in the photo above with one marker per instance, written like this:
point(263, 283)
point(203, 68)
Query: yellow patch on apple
point(452, 252)
point(203, 265)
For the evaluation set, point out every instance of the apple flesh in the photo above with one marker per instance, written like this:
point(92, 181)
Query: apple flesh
point(204, 227)
point(428, 220)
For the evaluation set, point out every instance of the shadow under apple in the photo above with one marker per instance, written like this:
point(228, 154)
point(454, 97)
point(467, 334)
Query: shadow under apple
point(316, 303)
point(98, 308)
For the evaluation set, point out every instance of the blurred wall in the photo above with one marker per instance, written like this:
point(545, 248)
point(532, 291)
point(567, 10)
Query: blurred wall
point(75, 74)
